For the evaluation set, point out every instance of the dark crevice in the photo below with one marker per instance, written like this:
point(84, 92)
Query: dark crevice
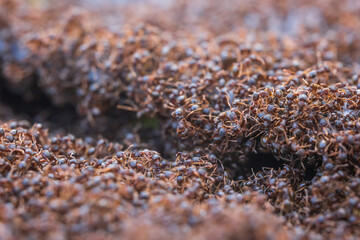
point(17, 101)
point(32, 104)
point(310, 172)
point(251, 164)
point(37, 108)
point(257, 161)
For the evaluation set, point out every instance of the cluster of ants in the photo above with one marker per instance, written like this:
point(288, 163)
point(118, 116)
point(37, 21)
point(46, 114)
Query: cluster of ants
point(65, 187)
point(211, 99)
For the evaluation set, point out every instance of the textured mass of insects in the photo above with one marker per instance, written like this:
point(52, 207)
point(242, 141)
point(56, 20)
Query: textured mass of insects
point(192, 107)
